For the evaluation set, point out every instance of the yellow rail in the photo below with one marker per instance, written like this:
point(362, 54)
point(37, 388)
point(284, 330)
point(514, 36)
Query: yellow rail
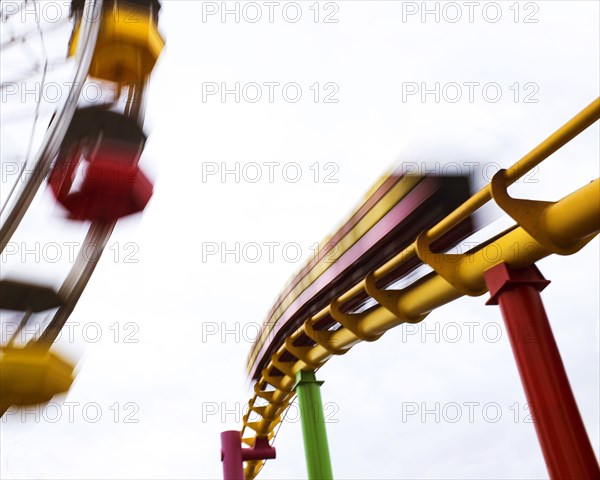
point(541, 228)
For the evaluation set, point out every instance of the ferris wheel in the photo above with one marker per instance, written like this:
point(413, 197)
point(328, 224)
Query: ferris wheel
point(85, 148)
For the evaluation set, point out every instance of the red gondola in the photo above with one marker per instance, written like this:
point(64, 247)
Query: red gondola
point(96, 175)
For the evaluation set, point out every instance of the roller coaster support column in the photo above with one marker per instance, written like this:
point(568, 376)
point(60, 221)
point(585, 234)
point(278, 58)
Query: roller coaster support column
point(316, 448)
point(563, 439)
point(233, 455)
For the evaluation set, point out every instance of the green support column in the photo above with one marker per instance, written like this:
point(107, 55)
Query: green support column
point(313, 426)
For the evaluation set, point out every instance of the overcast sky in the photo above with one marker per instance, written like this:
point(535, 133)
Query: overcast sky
point(163, 330)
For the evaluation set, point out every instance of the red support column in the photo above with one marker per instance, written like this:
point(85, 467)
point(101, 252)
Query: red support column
point(566, 447)
point(233, 455)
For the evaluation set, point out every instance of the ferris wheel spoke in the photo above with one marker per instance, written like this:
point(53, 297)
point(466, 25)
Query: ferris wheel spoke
point(19, 40)
point(29, 146)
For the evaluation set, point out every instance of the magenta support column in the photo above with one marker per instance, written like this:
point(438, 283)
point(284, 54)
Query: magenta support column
point(233, 455)
point(566, 447)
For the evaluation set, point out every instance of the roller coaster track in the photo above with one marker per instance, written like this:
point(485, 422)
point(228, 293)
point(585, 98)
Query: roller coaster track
point(541, 229)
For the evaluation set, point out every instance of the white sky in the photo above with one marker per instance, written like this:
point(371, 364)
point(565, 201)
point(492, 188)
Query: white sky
point(184, 380)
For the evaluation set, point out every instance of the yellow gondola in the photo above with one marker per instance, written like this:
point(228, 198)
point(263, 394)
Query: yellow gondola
point(30, 376)
point(128, 44)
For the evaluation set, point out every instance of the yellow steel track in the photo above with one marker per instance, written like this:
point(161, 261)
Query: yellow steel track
point(541, 229)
